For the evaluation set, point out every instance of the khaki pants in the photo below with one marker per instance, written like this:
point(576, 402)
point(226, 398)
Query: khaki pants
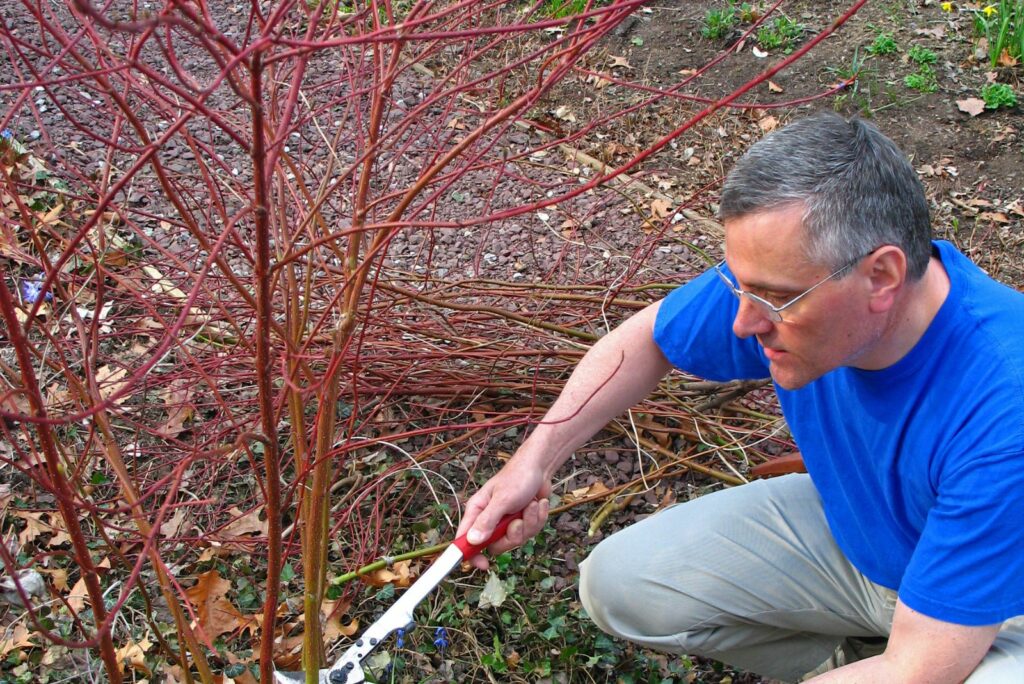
point(751, 576)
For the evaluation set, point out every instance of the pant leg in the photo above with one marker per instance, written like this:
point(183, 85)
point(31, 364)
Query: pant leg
point(750, 576)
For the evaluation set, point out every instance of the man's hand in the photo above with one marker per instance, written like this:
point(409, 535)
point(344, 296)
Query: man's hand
point(921, 650)
point(520, 485)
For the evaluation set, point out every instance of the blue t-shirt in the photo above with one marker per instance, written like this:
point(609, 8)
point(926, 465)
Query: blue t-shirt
point(920, 466)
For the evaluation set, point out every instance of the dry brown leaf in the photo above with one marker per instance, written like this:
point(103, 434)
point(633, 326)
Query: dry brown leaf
point(654, 430)
point(134, 654)
point(617, 61)
point(51, 216)
point(774, 87)
point(979, 202)
point(994, 217)
point(34, 526)
point(243, 524)
point(1006, 60)
point(173, 674)
point(661, 208)
point(110, 380)
point(217, 615)
point(215, 550)
point(59, 577)
point(162, 285)
point(20, 638)
point(172, 526)
point(938, 32)
point(398, 574)
point(972, 105)
point(613, 148)
point(78, 596)
point(565, 114)
point(595, 490)
point(176, 398)
point(332, 622)
point(59, 531)
point(768, 123)
point(15, 401)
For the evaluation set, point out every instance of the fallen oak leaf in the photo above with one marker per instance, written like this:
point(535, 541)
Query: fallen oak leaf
point(617, 61)
point(20, 638)
point(216, 614)
point(79, 595)
point(768, 124)
point(594, 491)
point(110, 380)
point(399, 575)
point(972, 105)
point(774, 87)
point(134, 655)
point(565, 114)
point(34, 526)
point(994, 217)
point(938, 32)
point(661, 208)
point(179, 410)
point(172, 526)
point(58, 576)
point(332, 622)
point(243, 524)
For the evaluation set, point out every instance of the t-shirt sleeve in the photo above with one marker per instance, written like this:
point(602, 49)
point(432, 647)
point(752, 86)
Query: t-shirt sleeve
point(968, 566)
point(694, 331)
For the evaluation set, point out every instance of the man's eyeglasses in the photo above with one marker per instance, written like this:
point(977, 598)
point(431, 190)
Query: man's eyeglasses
point(769, 310)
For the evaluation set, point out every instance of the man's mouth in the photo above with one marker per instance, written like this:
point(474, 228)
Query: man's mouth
point(772, 353)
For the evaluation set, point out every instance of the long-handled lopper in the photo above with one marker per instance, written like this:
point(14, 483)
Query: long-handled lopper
point(348, 669)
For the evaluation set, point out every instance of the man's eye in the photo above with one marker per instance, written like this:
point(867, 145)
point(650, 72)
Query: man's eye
point(776, 299)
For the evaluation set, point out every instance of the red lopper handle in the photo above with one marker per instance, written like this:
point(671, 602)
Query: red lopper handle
point(470, 550)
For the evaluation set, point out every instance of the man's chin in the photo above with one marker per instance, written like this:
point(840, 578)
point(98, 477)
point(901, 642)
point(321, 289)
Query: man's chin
point(786, 379)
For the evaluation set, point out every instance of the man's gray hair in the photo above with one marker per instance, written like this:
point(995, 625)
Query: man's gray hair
point(858, 190)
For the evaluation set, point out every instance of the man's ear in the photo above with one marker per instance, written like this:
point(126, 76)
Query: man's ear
point(886, 271)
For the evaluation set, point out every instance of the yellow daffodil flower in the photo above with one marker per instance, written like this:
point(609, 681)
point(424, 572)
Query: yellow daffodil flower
point(947, 7)
point(990, 10)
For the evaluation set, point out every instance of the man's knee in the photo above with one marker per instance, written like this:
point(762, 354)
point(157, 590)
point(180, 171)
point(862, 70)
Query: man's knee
point(627, 598)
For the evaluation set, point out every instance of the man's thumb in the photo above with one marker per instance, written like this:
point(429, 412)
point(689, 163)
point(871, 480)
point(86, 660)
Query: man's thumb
point(476, 536)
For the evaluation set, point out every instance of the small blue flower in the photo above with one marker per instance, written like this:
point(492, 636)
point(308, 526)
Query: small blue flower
point(6, 134)
point(32, 288)
point(400, 642)
point(441, 639)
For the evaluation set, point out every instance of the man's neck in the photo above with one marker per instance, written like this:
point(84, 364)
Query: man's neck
point(909, 320)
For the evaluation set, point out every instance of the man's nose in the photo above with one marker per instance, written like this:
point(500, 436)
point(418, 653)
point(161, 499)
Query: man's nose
point(750, 320)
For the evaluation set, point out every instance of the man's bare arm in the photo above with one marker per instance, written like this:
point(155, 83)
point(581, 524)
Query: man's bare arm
point(921, 650)
point(620, 369)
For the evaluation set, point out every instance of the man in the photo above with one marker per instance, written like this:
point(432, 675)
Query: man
point(899, 366)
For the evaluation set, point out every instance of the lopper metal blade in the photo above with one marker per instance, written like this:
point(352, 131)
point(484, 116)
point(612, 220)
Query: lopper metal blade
point(348, 669)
